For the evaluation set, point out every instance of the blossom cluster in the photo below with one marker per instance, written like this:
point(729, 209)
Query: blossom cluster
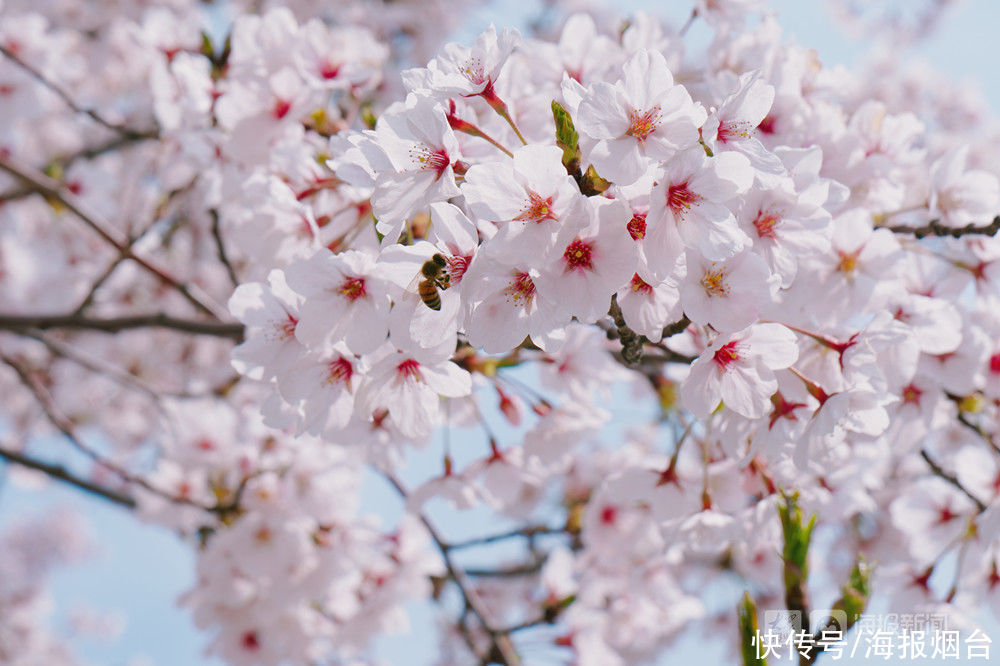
point(792, 267)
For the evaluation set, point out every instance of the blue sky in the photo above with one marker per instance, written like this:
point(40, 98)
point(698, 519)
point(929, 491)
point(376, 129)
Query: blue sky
point(140, 570)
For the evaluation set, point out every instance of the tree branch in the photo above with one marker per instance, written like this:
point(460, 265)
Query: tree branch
point(54, 189)
point(220, 248)
point(19, 323)
point(65, 427)
point(64, 96)
point(502, 648)
point(935, 228)
point(952, 479)
point(60, 473)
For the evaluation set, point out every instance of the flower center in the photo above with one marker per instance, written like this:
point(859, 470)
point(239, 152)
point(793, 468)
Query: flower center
point(521, 289)
point(680, 199)
point(848, 262)
point(637, 226)
point(457, 265)
point(739, 129)
point(640, 286)
point(250, 642)
point(579, 256)
point(765, 223)
point(641, 125)
point(429, 159)
point(714, 281)
point(536, 209)
point(474, 71)
point(281, 108)
point(408, 370)
point(995, 364)
point(911, 395)
point(726, 354)
point(329, 70)
point(339, 370)
point(287, 328)
point(353, 288)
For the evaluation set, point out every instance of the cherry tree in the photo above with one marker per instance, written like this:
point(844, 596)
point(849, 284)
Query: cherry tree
point(257, 255)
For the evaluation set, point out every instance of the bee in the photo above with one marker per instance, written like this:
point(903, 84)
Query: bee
point(435, 277)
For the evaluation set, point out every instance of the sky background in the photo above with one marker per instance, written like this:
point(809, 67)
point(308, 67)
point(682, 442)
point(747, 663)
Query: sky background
point(139, 570)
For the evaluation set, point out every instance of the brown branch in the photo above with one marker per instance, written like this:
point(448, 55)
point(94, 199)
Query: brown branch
point(935, 228)
point(18, 323)
point(502, 649)
point(64, 426)
point(220, 248)
point(631, 341)
point(508, 572)
point(60, 473)
point(952, 479)
point(54, 189)
point(64, 96)
point(677, 327)
point(528, 532)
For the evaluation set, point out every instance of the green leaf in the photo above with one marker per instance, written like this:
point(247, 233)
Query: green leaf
point(749, 632)
point(368, 116)
point(797, 535)
point(567, 138)
point(856, 592)
point(207, 49)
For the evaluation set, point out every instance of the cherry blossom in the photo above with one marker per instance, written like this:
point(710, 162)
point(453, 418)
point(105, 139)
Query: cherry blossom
point(557, 339)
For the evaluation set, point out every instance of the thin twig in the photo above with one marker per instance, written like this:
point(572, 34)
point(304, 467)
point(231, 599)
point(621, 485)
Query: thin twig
point(64, 426)
point(502, 647)
point(18, 323)
point(60, 473)
point(527, 532)
point(54, 189)
point(952, 479)
point(935, 228)
point(64, 96)
point(220, 248)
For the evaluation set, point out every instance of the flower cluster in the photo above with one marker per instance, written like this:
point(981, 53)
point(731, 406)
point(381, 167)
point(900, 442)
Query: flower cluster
point(789, 271)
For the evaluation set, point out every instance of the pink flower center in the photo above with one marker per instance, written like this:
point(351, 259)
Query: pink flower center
point(329, 70)
point(286, 328)
point(739, 129)
point(727, 354)
point(680, 199)
point(637, 226)
point(457, 265)
point(520, 290)
point(715, 283)
point(641, 125)
point(536, 209)
point(281, 108)
point(995, 364)
point(946, 515)
point(474, 71)
point(429, 159)
point(353, 288)
point(339, 370)
point(579, 256)
point(408, 370)
point(640, 286)
point(765, 223)
point(911, 395)
point(250, 642)
point(768, 125)
point(609, 515)
point(848, 261)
